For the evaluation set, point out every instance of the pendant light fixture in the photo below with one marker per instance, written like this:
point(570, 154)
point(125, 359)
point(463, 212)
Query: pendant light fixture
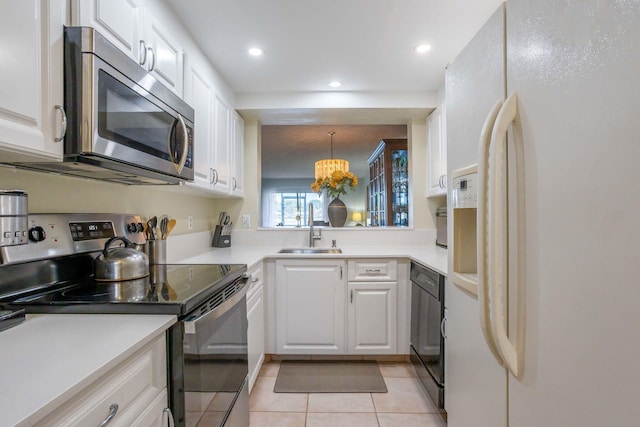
point(326, 167)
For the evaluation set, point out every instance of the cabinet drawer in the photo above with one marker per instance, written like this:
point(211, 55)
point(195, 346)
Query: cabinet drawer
point(133, 386)
point(373, 270)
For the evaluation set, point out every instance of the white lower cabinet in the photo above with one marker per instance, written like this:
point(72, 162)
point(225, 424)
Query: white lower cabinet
point(310, 306)
point(138, 386)
point(256, 328)
point(316, 311)
point(372, 318)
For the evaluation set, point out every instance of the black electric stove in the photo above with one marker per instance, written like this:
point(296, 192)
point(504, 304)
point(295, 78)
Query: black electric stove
point(169, 289)
point(53, 273)
point(206, 347)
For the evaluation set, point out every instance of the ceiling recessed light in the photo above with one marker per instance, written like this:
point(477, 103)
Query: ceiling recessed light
point(335, 84)
point(256, 51)
point(422, 48)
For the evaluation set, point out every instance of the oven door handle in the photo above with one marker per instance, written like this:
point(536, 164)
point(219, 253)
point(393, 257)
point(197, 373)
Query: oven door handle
point(191, 325)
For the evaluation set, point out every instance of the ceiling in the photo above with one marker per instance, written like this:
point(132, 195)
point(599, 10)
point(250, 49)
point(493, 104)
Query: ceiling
point(366, 44)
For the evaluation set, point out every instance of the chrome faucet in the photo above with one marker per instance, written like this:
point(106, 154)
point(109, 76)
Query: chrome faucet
point(312, 235)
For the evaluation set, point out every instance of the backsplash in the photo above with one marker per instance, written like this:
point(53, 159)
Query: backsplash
point(51, 193)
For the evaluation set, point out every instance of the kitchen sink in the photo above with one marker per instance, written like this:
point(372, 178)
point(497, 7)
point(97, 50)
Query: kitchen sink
point(310, 251)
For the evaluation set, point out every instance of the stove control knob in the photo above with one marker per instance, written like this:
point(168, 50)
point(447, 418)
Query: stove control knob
point(37, 234)
point(139, 227)
point(132, 227)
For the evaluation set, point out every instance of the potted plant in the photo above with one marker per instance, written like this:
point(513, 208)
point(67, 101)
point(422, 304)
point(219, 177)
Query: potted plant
point(334, 186)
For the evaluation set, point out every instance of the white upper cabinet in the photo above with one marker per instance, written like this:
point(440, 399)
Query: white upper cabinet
point(199, 93)
point(135, 29)
point(222, 146)
point(31, 98)
point(218, 133)
point(120, 21)
point(237, 178)
point(437, 152)
point(166, 53)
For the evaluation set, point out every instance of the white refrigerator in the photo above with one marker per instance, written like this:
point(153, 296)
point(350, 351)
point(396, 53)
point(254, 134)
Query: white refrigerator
point(550, 90)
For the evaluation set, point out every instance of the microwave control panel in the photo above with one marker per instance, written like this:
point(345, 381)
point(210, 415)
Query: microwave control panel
point(465, 191)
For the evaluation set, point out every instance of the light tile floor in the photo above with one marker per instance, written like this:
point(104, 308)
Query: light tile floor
point(404, 405)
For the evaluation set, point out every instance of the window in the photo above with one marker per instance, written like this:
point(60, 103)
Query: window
point(290, 209)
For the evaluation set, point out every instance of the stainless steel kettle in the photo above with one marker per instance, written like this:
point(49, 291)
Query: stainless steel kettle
point(121, 262)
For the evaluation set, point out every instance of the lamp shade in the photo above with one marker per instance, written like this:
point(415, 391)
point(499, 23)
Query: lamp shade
point(326, 167)
point(356, 216)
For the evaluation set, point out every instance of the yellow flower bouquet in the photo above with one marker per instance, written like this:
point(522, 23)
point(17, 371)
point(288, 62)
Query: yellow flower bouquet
point(336, 184)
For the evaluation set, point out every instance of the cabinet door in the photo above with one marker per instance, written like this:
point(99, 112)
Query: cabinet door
point(155, 415)
point(437, 161)
point(255, 334)
point(372, 318)
point(310, 307)
point(199, 94)
point(31, 96)
point(120, 21)
point(237, 179)
point(167, 53)
point(222, 146)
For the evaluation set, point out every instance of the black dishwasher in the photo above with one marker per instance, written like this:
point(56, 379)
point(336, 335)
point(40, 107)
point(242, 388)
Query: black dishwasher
point(427, 338)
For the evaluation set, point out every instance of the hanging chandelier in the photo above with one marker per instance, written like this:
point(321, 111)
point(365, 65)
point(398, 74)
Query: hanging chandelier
point(326, 167)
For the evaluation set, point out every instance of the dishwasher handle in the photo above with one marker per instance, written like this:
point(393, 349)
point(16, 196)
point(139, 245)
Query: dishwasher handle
point(217, 311)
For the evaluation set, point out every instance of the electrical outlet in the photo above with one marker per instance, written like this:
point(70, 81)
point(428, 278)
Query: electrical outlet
point(246, 221)
point(190, 222)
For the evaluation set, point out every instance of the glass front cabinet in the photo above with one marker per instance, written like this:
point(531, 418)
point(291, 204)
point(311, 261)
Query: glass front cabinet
point(388, 189)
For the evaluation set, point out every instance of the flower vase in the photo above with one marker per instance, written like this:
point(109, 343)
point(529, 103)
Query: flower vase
point(337, 212)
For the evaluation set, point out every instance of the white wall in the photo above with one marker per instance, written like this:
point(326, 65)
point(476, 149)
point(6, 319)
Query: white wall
point(50, 193)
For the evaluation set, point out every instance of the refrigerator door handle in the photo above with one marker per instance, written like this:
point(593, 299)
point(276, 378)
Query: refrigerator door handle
point(482, 238)
point(499, 238)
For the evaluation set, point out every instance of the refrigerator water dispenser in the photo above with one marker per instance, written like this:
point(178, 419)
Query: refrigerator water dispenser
point(465, 208)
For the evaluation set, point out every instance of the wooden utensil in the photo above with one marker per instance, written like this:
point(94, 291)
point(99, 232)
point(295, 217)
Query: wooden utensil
point(170, 225)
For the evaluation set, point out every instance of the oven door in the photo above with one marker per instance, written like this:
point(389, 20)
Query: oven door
point(215, 359)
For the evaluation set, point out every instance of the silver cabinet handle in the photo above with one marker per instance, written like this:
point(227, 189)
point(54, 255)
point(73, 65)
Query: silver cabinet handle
point(440, 181)
point(215, 174)
point(169, 414)
point(63, 128)
point(254, 279)
point(340, 272)
point(153, 59)
point(235, 183)
point(211, 172)
point(444, 181)
point(113, 410)
point(351, 296)
point(143, 53)
point(372, 270)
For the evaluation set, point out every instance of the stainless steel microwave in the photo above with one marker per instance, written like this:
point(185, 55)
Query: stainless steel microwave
point(122, 124)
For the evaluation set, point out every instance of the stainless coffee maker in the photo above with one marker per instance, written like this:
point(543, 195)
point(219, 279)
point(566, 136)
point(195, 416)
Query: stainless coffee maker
point(14, 219)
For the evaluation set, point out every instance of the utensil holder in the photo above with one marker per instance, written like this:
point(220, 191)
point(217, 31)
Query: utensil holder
point(220, 240)
point(156, 250)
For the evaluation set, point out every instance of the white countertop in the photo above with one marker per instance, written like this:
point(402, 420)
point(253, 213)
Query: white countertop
point(429, 255)
point(48, 358)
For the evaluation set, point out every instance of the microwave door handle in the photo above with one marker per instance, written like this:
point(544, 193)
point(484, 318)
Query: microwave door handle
point(179, 164)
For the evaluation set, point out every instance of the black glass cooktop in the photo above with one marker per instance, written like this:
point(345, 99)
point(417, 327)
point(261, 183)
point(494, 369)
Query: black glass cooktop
point(169, 289)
